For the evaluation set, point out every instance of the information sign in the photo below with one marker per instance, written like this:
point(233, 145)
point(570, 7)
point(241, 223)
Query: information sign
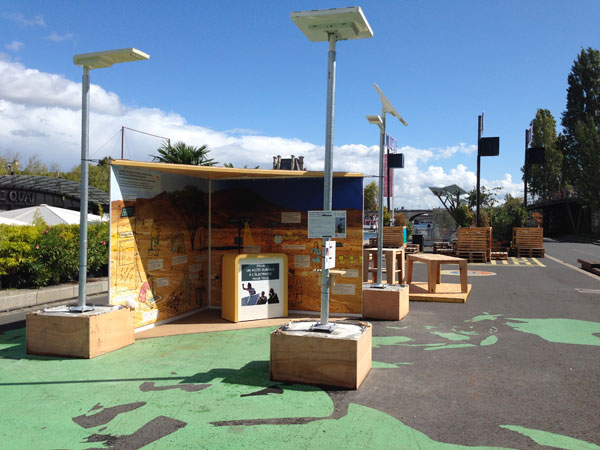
point(326, 224)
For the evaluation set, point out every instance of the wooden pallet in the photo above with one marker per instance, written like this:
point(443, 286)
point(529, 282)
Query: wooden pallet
point(530, 252)
point(475, 241)
point(411, 248)
point(499, 255)
point(473, 255)
point(528, 241)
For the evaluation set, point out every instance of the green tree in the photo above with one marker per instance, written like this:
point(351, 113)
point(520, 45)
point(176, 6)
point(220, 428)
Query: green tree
point(581, 122)
point(181, 153)
point(544, 180)
point(463, 216)
point(505, 217)
point(98, 175)
point(370, 196)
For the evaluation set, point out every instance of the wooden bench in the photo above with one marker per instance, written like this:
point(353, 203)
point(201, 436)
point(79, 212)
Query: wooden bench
point(528, 241)
point(474, 244)
point(589, 265)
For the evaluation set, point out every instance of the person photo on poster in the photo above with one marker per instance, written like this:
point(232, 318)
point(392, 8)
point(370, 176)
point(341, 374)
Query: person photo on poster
point(340, 226)
point(262, 300)
point(273, 298)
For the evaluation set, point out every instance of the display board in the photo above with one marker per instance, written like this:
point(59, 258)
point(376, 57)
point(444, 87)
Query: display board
point(254, 287)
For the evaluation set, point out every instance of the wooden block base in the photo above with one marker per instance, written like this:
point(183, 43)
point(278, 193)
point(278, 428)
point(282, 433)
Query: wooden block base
point(342, 358)
point(57, 332)
point(445, 292)
point(390, 303)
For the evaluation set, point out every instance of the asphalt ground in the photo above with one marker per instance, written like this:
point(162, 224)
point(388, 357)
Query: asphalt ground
point(517, 366)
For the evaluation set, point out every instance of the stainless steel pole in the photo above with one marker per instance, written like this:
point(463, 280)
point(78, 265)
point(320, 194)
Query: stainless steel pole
point(83, 202)
point(379, 283)
point(328, 176)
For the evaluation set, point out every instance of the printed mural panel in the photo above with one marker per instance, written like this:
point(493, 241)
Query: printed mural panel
point(159, 238)
point(159, 244)
point(272, 216)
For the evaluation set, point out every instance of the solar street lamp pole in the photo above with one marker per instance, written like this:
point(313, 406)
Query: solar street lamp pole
point(89, 61)
point(83, 201)
point(479, 130)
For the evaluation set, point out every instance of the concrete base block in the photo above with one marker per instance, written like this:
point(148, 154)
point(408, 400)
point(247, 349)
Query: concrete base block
point(342, 358)
point(390, 303)
point(57, 332)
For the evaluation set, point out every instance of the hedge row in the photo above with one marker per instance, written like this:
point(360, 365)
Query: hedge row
point(41, 255)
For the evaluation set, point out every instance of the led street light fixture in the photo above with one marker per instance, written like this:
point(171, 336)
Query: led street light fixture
point(345, 23)
point(99, 60)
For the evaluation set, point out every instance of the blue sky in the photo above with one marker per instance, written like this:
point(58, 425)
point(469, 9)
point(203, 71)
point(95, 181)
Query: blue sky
point(240, 77)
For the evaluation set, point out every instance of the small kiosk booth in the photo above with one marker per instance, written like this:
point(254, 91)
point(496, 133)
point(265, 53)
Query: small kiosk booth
point(180, 233)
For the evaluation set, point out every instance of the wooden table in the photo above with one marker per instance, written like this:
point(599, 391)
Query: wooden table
point(434, 262)
point(394, 265)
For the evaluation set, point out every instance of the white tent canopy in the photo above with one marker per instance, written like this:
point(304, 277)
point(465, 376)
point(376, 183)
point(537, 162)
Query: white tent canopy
point(50, 214)
point(7, 221)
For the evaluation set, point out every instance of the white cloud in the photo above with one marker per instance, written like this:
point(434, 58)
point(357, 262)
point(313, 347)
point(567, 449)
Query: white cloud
point(14, 46)
point(40, 113)
point(22, 20)
point(59, 37)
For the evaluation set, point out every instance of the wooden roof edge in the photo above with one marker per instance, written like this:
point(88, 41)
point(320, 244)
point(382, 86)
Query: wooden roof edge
point(216, 172)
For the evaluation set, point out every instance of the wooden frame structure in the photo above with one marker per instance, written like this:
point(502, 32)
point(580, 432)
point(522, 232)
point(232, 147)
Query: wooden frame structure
point(474, 244)
point(528, 241)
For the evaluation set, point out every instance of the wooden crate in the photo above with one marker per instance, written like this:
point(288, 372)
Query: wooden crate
point(528, 241)
point(393, 237)
point(471, 242)
point(390, 303)
point(320, 359)
point(84, 335)
point(499, 255)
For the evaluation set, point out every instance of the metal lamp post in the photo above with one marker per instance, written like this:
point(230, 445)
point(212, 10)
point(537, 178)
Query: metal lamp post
point(386, 107)
point(89, 61)
point(330, 25)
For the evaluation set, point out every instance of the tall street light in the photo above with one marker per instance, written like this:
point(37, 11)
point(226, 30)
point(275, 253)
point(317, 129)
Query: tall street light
point(89, 61)
point(330, 25)
point(386, 107)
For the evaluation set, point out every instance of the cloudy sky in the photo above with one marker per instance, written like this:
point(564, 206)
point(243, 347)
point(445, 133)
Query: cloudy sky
point(240, 77)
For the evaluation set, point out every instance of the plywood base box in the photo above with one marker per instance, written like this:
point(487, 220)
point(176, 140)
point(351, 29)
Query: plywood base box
point(342, 358)
point(390, 303)
point(444, 292)
point(57, 332)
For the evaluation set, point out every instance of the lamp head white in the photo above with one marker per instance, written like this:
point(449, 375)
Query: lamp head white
point(99, 60)
point(345, 23)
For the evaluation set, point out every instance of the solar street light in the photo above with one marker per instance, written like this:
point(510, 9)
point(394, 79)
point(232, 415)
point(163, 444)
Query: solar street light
point(89, 61)
point(330, 25)
point(386, 107)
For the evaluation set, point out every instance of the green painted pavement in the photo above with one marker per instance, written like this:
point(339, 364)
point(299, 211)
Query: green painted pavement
point(552, 439)
point(562, 331)
point(208, 390)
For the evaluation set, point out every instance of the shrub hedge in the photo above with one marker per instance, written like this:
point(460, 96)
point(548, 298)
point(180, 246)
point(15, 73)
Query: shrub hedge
point(41, 255)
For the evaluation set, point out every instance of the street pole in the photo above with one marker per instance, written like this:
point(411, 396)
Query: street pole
point(479, 131)
point(83, 202)
point(328, 178)
point(525, 170)
point(387, 169)
point(379, 283)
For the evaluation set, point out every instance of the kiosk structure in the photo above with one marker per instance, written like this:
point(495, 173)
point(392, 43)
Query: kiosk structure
point(173, 227)
point(254, 286)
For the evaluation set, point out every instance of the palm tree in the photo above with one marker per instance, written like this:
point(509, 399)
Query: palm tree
point(181, 153)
